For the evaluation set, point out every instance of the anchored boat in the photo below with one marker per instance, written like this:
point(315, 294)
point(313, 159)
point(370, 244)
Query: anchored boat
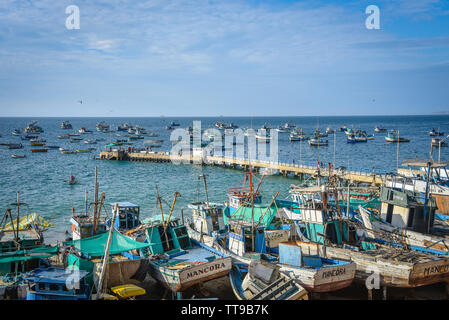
point(263, 281)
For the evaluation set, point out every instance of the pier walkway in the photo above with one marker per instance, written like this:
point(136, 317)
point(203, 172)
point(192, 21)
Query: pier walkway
point(283, 168)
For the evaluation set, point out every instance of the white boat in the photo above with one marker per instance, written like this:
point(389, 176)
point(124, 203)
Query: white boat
point(392, 137)
point(316, 142)
point(434, 133)
point(66, 125)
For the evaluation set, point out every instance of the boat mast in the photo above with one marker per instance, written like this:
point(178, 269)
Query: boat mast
point(95, 198)
point(397, 154)
point(106, 256)
point(205, 188)
point(162, 214)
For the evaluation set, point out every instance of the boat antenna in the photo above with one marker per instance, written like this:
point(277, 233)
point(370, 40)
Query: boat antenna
point(162, 215)
point(397, 154)
point(205, 187)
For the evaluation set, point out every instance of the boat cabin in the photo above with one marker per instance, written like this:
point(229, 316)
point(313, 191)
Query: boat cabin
point(326, 227)
point(11, 257)
point(239, 196)
point(83, 226)
point(402, 208)
point(172, 241)
point(57, 284)
point(128, 216)
point(207, 217)
point(240, 241)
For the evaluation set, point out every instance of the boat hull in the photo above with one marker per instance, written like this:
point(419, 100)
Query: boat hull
point(180, 280)
point(396, 268)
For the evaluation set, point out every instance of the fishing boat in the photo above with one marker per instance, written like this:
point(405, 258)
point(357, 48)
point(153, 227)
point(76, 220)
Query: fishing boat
point(17, 156)
point(52, 147)
point(39, 150)
point(90, 141)
point(404, 219)
point(75, 140)
point(83, 150)
point(84, 131)
point(174, 124)
point(56, 284)
point(316, 142)
point(324, 232)
point(66, 136)
point(297, 137)
point(152, 134)
point(176, 261)
point(342, 128)
point(101, 126)
point(329, 130)
point(22, 249)
point(33, 128)
point(437, 142)
point(27, 137)
point(263, 281)
point(91, 254)
point(434, 133)
point(68, 152)
point(66, 125)
point(73, 134)
point(37, 144)
point(355, 138)
point(392, 137)
point(17, 132)
point(379, 129)
point(15, 146)
point(263, 135)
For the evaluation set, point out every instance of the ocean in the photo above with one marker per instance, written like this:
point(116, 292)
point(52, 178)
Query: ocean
point(40, 177)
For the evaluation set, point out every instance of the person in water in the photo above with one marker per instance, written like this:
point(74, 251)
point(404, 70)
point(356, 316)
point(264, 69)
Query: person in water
point(72, 179)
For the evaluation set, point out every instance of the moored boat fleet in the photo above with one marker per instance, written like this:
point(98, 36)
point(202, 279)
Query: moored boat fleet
point(326, 237)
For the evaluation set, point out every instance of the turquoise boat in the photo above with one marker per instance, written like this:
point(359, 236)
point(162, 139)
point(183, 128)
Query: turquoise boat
point(175, 260)
point(56, 284)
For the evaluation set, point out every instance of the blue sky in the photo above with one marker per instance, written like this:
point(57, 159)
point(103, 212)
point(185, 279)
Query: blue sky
point(223, 57)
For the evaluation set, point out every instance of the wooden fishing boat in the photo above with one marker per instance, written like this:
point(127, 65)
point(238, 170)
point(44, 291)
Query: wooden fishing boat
point(17, 156)
point(22, 249)
point(66, 125)
point(395, 267)
point(379, 129)
point(317, 142)
point(260, 281)
point(83, 150)
point(434, 133)
point(177, 261)
point(39, 150)
point(51, 284)
point(384, 232)
point(68, 152)
point(37, 144)
point(52, 147)
point(14, 146)
point(124, 266)
point(392, 137)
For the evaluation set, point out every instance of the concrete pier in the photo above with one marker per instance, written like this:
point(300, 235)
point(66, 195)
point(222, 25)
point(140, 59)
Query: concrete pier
point(283, 168)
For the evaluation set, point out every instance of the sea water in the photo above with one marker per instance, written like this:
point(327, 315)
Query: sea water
point(42, 178)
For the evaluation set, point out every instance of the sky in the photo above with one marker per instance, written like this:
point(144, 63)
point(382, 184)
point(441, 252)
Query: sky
point(223, 58)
